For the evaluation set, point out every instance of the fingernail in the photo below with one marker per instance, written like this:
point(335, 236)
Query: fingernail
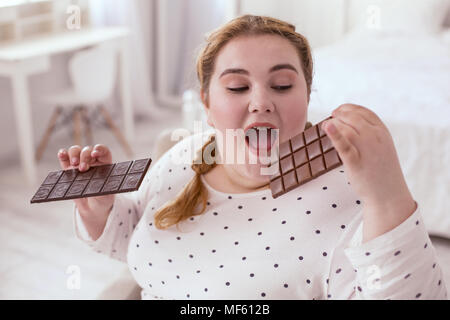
point(82, 166)
point(74, 161)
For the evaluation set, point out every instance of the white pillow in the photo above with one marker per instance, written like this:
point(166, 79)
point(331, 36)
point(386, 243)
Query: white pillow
point(398, 17)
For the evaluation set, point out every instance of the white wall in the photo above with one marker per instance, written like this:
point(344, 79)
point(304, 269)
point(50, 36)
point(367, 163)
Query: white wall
point(40, 84)
point(321, 21)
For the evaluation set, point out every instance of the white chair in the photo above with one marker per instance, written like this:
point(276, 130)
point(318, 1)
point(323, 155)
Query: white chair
point(93, 73)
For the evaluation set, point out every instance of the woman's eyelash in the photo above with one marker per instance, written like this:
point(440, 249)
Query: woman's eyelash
point(238, 89)
point(281, 88)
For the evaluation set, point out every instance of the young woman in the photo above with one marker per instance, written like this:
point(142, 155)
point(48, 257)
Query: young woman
point(213, 230)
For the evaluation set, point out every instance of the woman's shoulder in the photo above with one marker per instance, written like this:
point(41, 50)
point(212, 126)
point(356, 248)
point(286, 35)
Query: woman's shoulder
point(173, 168)
point(184, 148)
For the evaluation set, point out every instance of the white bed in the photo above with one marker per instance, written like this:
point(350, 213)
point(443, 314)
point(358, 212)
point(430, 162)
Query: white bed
point(405, 79)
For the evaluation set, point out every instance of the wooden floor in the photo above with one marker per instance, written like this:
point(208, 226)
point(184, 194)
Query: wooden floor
point(40, 257)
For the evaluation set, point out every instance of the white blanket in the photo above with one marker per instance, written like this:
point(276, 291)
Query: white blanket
point(406, 81)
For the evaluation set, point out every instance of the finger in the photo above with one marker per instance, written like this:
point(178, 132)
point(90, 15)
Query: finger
point(367, 114)
point(340, 136)
point(101, 153)
point(82, 204)
point(74, 155)
point(63, 157)
point(353, 120)
point(351, 134)
point(85, 158)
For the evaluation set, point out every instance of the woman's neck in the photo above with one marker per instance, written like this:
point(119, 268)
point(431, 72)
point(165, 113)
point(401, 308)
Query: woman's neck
point(225, 179)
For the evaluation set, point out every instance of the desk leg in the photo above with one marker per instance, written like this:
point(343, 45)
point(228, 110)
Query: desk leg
point(125, 90)
point(24, 126)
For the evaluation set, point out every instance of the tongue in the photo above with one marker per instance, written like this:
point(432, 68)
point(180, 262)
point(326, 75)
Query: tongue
point(261, 139)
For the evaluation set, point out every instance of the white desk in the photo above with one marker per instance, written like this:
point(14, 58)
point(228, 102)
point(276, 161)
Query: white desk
point(21, 59)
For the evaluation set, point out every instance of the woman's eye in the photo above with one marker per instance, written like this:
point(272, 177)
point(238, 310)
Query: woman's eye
point(281, 88)
point(238, 89)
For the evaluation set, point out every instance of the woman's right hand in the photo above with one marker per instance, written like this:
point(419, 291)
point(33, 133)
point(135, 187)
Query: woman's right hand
point(92, 208)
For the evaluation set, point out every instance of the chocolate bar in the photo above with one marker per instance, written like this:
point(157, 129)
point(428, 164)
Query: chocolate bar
point(96, 181)
point(304, 157)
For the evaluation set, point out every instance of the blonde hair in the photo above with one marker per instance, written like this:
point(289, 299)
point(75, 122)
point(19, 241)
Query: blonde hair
point(195, 194)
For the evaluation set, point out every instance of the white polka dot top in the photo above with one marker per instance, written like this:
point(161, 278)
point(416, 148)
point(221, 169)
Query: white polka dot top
point(305, 244)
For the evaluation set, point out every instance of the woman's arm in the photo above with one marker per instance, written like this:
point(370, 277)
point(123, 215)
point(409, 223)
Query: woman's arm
point(111, 236)
point(391, 253)
point(400, 264)
point(368, 153)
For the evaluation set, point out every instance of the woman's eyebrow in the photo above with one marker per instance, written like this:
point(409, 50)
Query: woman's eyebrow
point(273, 69)
point(283, 66)
point(234, 70)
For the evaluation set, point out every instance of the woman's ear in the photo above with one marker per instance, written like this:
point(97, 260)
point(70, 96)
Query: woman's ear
point(204, 98)
point(202, 95)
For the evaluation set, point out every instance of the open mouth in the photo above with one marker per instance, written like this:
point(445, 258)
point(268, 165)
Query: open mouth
point(260, 139)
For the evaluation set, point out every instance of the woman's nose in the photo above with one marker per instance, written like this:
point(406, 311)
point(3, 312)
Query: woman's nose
point(260, 103)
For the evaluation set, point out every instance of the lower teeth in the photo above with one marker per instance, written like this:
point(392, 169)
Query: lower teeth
point(258, 139)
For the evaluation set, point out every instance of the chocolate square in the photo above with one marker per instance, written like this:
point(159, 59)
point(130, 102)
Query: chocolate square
point(86, 175)
point(103, 172)
point(139, 165)
point(112, 184)
point(94, 187)
point(59, 190)
point(284, 150)
point(300, 157)
point(131, 181)
point(326, 144)
point(314, 150)
point(53, 177)
point(287, 164)
point(297, 142)
point(68, 175)
point(290, 180)
point(77, 188)
point(121, 168)
point(310, 134)
point(43, 192)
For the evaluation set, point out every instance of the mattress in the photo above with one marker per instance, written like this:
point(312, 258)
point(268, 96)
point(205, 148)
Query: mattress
point(406, 82)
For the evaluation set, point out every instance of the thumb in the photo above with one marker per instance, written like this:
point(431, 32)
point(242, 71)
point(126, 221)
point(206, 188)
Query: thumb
point(82, 204)
point(346, 150)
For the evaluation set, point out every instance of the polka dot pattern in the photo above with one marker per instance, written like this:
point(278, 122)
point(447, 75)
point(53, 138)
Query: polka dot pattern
point(251, 246)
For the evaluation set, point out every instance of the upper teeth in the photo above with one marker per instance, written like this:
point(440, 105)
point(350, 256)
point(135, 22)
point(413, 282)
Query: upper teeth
point(260, 128)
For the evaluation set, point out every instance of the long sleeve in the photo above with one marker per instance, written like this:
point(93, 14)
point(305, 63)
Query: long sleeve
point(399, 264)
point(128, 208)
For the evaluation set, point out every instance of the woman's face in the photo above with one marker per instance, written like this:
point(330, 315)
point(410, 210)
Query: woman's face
point(257, 81)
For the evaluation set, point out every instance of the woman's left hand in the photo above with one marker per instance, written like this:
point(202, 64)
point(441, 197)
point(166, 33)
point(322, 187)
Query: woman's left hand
point(371, 162)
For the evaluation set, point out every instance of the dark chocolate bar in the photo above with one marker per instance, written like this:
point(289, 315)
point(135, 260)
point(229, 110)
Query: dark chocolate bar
point(304, 157)
point(97, 181)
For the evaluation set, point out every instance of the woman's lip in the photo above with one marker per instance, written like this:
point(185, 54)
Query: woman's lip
point(260, 124)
